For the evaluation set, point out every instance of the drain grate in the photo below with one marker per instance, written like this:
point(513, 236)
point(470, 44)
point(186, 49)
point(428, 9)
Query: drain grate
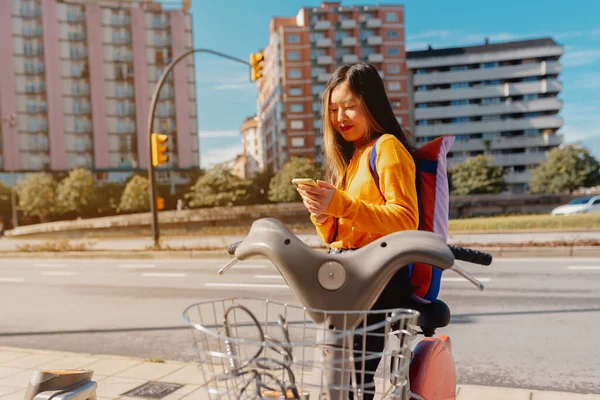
point(153, 390)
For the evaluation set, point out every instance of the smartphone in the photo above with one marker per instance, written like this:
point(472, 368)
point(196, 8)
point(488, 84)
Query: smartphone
point(304, 181)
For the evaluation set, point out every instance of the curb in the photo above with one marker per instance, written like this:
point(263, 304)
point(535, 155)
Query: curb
point(508, 252)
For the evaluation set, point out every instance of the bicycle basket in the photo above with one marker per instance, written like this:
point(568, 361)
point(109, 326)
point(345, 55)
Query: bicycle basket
point(252, 348)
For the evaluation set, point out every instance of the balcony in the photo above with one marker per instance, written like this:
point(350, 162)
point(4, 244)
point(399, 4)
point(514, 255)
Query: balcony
point(349, 41)
point(375, 58)
point(530, 106)
point(505, 125)
point(324, 60)
point(509, 89)
point(322, 25)
point(350, 58)
point(508, 72)
point(509, 143)
point(374, 40)
point(373, 23)
point(348, 24)
point(324, 77)
point(324, 42)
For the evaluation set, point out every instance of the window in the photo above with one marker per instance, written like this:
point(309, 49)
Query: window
point(43, 128)
point(293, 55)
point(393, 52)
point(295, 91)
point(298, 142)
point(364, 34)
point(297, 125)
point(532, 132)
point(421, 71)
point(391, 17)
point(392, 34)
point(459, 68)
point(76, 70)
point(530, 97)
point(365, 51)
point(121, 127)
point(339, 35)
point(530, 79)
point(32, 125)
point(422, 122)
point(394, 86)
point(422, 88)
point(490, 118)
point(293, 38)
point(460, 120)
point(393, 69)
point(490, 65)
point(459, 85)
point(462, 102)
point(296, 108)
point(490, 135)
point(396, 104)
point(294, 74)
point(120, 109)
point(31, 106)
point(491, 82)
point(491, 100)
point(316, 36)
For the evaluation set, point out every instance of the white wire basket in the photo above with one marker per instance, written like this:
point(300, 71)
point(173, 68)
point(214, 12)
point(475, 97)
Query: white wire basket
point(252, 348)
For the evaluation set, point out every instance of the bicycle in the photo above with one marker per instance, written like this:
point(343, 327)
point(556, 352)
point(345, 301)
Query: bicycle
point(243, 357)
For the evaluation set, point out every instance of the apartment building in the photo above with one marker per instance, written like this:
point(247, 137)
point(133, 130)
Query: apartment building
point(253, 151)
point(301, 55)
point(76, 81)
point(497, 99)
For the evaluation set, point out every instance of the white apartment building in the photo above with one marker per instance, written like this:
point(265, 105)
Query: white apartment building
point(497, 99)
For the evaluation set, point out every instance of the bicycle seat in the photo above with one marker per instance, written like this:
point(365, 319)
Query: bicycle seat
point(433, 315)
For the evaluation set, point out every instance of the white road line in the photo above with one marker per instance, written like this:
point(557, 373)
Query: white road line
point(47, 265)
point(584, 267)
point(464, 280)
point(249, 266)
point(58, 273)
point(11, 279)
point(163, 275)
point(278, 277)
point(137, 266)
point(247, 285)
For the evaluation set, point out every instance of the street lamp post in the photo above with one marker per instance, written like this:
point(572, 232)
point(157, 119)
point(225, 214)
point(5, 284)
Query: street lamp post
point(159, 84)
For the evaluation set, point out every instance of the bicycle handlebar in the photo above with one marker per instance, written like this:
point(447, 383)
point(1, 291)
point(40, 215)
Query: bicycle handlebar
point(460, 253)
point(351, 282)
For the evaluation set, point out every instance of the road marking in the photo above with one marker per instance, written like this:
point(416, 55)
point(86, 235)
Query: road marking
point(162, 275)
point(137, 266)
point(47, 265)
point(278, 277)
point(584, 267)
point(249, 266)
point(464, 280)
point(58, 273)
point(11, 279)
point(247, 285)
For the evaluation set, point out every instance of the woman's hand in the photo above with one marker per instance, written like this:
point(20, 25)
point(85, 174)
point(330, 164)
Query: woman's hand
point(317, 200)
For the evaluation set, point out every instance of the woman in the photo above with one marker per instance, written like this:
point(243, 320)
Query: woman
point(350, 211)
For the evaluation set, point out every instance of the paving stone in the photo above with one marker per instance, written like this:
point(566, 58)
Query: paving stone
point(113, 387)
point(149, 371)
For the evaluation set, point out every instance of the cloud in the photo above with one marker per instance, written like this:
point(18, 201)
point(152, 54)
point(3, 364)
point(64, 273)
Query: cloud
point(577, 58)
point(235, 86)
point(431, 34)
point(218, 134)
point(213, 156)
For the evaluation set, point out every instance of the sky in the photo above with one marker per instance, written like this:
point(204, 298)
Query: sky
point(240, 27)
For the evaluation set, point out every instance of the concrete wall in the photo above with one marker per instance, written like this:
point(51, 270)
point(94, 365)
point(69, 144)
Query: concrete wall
point(290, 213)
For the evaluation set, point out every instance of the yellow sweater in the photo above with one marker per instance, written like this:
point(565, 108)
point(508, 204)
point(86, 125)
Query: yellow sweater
point(364, 215)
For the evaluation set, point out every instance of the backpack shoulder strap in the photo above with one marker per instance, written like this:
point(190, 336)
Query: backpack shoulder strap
point(373, 164)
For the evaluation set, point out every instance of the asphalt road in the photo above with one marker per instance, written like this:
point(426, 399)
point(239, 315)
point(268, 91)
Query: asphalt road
point(535, 326)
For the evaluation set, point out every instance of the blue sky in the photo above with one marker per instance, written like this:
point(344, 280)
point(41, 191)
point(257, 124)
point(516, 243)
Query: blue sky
point(240, 27)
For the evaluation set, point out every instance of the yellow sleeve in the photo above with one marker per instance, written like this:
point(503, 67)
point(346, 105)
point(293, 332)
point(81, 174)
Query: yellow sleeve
point(325, 229)
point(397, 174)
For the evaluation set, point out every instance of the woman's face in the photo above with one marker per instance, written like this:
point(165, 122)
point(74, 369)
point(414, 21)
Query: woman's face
point(347, 114)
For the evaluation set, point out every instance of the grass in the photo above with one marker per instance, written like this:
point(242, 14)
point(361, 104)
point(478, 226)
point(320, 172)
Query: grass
point(54, 246)
point(582, 222)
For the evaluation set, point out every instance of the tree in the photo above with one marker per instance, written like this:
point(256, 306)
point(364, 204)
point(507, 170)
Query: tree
point(5, 200)
point(77, 192)
point(281, 188)
point(218, 187)
point(109, 195)
point(477, 176)
point(566, 169)
point(259, 188)
point(37, 195)
point(135, 197)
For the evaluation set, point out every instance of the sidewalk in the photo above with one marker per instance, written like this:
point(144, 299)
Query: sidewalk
point(117, 375)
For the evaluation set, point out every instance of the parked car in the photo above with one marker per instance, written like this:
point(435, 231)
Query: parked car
point(581, 205)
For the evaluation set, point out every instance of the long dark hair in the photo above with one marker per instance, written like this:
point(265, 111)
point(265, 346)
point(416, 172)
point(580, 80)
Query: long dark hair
point(366, 84)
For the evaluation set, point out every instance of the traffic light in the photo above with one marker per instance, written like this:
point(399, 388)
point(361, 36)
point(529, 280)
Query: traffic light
point(160, 203)
point(159, 149)
point(256, 65)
